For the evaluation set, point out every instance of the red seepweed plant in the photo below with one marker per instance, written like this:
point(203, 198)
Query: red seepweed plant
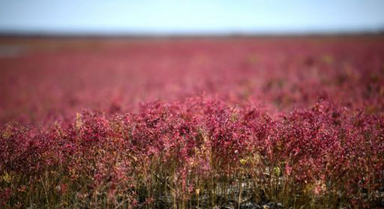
point(197, 152)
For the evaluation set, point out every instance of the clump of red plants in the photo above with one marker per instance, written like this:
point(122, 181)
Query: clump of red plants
point(196, 153)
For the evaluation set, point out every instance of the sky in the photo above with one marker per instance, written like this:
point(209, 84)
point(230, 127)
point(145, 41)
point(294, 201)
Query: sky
point(178, 17)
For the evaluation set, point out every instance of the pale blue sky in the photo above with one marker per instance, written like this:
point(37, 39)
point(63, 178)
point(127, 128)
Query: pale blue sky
point(184, 17)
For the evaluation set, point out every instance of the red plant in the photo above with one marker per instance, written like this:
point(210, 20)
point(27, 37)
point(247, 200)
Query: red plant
point(287, 121)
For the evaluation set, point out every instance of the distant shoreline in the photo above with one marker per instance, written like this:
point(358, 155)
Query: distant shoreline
point(191, 36)
point(145, 35)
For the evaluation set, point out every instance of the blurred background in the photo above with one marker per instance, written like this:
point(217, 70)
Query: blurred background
point(199, 17)
point(59, 57)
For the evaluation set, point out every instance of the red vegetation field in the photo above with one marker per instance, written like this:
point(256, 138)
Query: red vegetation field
point(192, 123)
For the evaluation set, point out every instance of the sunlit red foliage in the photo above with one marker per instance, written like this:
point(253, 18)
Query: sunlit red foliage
point(299, 122)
